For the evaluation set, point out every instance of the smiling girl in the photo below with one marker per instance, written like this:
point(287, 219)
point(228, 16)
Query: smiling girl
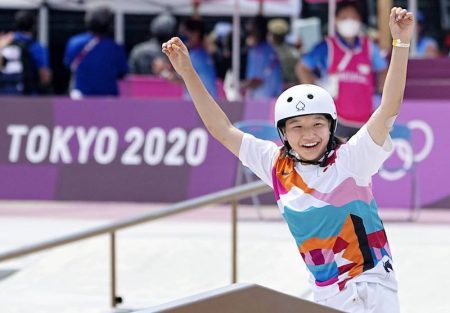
point(322, 185)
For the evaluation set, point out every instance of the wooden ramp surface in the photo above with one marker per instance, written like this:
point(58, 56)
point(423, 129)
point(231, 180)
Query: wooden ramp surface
point(241, 298)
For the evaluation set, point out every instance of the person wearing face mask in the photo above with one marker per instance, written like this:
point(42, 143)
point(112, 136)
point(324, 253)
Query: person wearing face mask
point(345, 65)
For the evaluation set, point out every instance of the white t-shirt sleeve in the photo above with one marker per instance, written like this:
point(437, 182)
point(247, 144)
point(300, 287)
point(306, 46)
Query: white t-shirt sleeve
point(361, 156)
point(259, 156)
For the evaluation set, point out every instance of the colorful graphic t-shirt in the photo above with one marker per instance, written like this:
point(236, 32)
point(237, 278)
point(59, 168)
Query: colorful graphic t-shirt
point(330, 211)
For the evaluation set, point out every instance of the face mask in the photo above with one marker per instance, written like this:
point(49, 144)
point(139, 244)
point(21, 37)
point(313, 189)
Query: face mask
point(348, 28)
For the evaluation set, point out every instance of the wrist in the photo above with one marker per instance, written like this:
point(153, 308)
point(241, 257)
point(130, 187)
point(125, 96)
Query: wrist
point(187, 73)
point(400, 43)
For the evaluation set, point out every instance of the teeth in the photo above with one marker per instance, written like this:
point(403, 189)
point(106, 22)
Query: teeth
point(310, 144)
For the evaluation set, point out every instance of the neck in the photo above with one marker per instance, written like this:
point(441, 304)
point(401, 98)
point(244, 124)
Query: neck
point(350, 40)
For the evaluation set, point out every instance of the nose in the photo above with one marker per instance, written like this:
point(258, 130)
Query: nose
point(309, 133)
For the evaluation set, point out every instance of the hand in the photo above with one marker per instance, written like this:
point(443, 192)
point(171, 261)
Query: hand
point(401, 23)
point(178, 55)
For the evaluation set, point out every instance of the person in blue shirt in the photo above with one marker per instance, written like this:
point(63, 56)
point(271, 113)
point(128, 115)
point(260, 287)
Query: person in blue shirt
point(24, 62)
point(96, 61)
point(427, 47)
point(192, 32)
point(264, 76)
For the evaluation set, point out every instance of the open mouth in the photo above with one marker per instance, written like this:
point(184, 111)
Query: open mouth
point(310, 145)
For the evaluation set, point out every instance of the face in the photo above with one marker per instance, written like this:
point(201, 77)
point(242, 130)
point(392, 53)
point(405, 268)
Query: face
point(308, 135)
point(348, 22)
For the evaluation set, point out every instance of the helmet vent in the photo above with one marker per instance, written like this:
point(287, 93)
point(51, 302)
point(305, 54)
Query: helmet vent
point(310, 96)
point(289, 99)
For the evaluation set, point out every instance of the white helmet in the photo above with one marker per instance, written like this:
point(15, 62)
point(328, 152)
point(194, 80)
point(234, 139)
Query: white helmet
point(304, 99)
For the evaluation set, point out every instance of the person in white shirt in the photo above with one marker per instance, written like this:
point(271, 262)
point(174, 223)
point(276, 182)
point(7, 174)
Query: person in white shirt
point(322, 185)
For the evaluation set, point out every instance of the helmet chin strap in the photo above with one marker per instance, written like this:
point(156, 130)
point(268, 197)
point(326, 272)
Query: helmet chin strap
point(321, 162)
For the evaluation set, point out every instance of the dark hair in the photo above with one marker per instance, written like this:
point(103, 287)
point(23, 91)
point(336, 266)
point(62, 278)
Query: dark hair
point(349, 4)
point(258, 25)
point(194, 26)
point(99, 20)
point(163, 26)
point(24, 21)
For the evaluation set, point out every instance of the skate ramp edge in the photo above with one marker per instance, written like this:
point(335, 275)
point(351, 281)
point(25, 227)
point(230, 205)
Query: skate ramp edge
point(240, 298)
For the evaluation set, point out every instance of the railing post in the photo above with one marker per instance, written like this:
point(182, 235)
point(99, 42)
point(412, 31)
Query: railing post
point(113, 268)
point(234, 212)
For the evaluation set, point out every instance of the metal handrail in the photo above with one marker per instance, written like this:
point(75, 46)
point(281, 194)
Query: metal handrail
point(232, 195)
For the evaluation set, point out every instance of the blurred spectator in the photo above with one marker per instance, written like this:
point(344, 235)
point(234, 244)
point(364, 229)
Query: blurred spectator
point(220, 47)
point(447, 43)
point(24, 63)
point(192, 32)
point(95, 59)
point(427, 47)
point(264, 78)
point(345, 64)
point(288, 56)
point(146, 58)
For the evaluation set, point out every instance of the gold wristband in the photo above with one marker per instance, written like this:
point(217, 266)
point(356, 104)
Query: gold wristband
point(400, 44)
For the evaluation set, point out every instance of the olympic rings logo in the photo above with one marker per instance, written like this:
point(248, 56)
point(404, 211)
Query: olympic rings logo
point(405, 152)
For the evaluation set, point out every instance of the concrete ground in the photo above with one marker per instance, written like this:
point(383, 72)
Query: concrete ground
point(187, 254)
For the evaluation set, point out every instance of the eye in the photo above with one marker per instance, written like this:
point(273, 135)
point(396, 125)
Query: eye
point(310, 96)
point(289, 99)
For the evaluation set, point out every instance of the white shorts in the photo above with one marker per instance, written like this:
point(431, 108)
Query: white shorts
point(364, 297)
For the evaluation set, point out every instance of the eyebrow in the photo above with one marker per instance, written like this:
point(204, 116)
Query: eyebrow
point(298, 119)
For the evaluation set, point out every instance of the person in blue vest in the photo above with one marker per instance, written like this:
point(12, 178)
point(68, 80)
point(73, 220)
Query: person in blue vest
point(346, 65)
point(24, 62)
point(96, 61)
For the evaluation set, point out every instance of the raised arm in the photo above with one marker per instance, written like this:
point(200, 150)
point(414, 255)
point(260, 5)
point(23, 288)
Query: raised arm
point(401, 24)
point(215, 120)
